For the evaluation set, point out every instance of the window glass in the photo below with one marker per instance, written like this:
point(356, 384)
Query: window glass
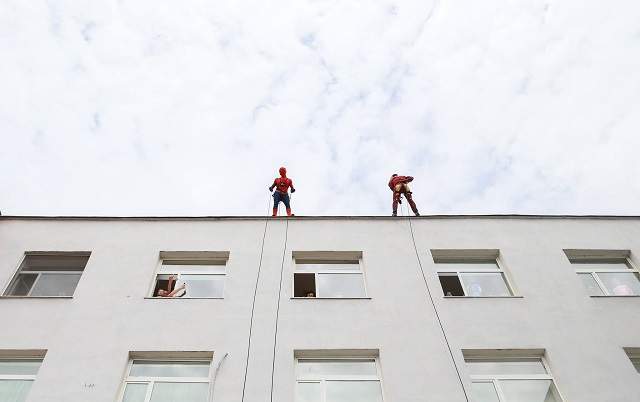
point(142, 368)
point(180, 392)
point(203, 285)
point(489, 265)
point(19, 367)
point(520, 366)
point(135, 393)
point(591, 285)
point(14, 390)
point(484, 392)
point(354, 391)
point(22, 285)
point(636, 363)
point(309, 392)
point(527, 391)
point(484, 284)
point(55, 285)
point(54, 262)
point(192, 268)
point(621, 283)
point(355, 266)
point(341, 285)
point(320, 368)
point(600, 266)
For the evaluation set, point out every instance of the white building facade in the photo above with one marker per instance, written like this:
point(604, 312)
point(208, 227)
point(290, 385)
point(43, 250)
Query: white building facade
point(320, 309)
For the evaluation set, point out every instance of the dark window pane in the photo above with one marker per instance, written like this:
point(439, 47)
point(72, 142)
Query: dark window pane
point(304, 285)
point(451, 285)
point(22, 285)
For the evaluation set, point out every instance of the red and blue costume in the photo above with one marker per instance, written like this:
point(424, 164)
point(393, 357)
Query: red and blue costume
point(282, 184)
point(400, 185)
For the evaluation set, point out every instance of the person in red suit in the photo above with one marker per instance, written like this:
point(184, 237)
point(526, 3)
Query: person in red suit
point(400, 185)
point(282, 184)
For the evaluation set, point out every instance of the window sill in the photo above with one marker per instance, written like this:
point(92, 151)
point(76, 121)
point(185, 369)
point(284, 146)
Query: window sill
point(616, 296)
point(184, 298)
point(483, 297)
point(36, 297)
point(330, 298)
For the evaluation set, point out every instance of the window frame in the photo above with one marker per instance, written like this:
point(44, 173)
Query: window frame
point(151, 381)
point(21, 377)
point(18, 271)
point(336, 378)
point(604, 259)
point(160, 264)
point(489, 260)
point(326, 261)
point(495, 379)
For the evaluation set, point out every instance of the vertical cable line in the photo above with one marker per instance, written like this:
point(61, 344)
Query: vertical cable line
point(433, 304)
point(253, 303)
point(275, 332)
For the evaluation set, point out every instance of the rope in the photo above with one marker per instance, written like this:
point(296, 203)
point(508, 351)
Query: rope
point(253, 303)
point(433, 304)
point(275, 333)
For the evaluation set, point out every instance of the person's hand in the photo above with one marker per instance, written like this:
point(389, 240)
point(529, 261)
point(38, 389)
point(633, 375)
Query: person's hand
point(171, 277)
point(293, 190)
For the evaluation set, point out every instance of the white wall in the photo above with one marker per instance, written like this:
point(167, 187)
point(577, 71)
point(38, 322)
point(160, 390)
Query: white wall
point(88, 337)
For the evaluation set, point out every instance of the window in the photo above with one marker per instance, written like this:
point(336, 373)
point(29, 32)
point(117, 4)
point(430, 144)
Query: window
point(338, 380)
point(511, 379)
point(191, 274)
point(48, 274)
point(16, 377)
point(634, 356)
point(471, 273)
point(328, 275)
point(172, 380)
point(606, 272)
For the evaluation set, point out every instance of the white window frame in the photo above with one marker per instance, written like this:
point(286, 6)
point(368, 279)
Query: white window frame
point(494, 265)
point(631, 269)
point(495, 379)
point(356, 263)
point(185, 256)
point(151, 381)
point(18, 271)
point(322, 380)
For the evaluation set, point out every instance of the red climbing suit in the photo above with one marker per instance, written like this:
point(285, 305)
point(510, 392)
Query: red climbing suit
point(400, 185)
point(283, 183)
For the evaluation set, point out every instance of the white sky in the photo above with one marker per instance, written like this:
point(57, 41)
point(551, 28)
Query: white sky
point(139, 107)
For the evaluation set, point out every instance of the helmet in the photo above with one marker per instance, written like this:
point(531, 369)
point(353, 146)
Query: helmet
point(283, 171)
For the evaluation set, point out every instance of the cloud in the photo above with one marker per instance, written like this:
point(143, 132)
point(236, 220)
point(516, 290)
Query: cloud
point(147, 108)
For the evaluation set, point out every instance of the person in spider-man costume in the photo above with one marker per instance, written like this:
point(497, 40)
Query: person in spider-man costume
point(400, 185)
point(282, 184)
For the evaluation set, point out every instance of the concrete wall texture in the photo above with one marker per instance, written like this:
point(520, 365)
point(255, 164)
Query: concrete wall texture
point(88, 337)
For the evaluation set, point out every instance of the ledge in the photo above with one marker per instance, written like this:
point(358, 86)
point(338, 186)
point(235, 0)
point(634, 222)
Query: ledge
point(330, 298)
point(36, 297)
point(184, 298)
point(615, 297)
point(483, 297)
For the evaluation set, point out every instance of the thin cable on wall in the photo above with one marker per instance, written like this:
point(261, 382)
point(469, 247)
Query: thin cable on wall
point(253, 303)
point(275, 332)
point(433, 304)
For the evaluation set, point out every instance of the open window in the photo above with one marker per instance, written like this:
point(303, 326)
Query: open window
point(326, 274)
point(471, 273)
point(48, 274)
point(162, 377)
point(634, 356)
point(191, 274)
point(606, 272)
